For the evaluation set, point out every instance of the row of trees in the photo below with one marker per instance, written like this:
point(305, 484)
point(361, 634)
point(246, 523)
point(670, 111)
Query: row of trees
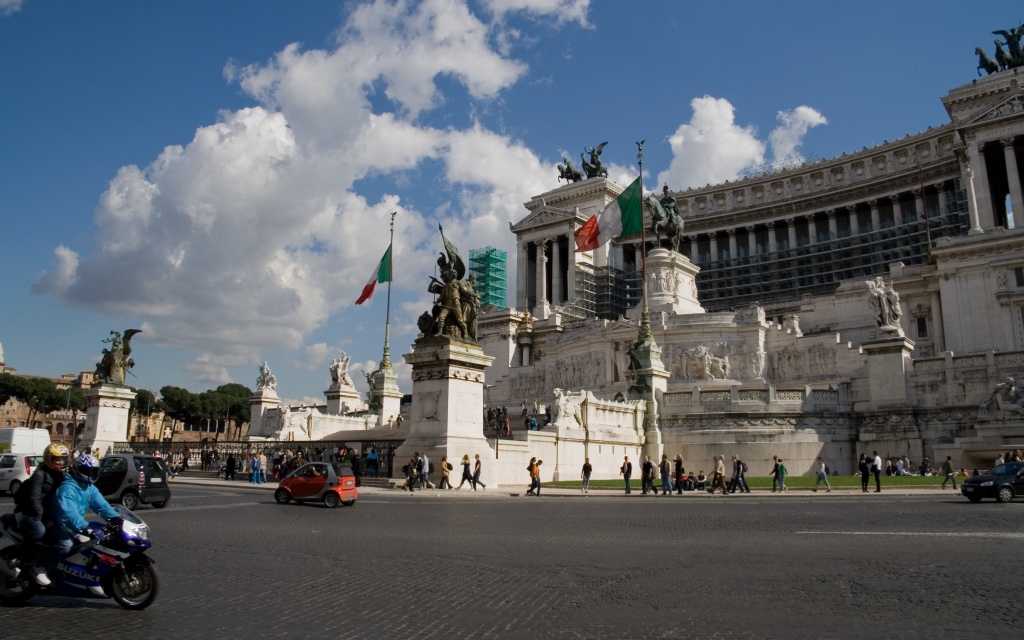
point(40, 395)
point(229, 402)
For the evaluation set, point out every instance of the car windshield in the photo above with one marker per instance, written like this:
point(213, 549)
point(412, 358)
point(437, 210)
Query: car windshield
point(1006, 469)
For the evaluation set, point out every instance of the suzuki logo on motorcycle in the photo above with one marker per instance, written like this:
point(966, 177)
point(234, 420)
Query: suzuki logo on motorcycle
point(78, 573)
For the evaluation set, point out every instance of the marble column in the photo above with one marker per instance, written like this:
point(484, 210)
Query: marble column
point(773, 242)
point(570, 274)
point(941, 189)
point(812, 230)
point(986, 214)
point(542, 310)
point(1013, 177)
point(967, 172)
point(854, 222)
point(522, 275)
point(751, 241)
point(693, 249)
point(919, 204)
point(713, 251)
point(833, 226)
point(876, 222)
point(897, 210)
point(556, 271)
point(732, 244)
point(938, 339)
point(791, 224)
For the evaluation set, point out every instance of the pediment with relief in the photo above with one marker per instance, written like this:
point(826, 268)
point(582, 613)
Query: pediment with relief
point(542, 218)
point(1011, 107)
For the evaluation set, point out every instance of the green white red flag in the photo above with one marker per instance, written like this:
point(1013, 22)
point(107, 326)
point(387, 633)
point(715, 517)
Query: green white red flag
point(622, 217)
point(382, 273)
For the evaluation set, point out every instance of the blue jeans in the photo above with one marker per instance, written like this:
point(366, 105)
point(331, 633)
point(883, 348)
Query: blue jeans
point(666, 486)
point(821, 478)
point(32, 528)
point(476, 480)
point(947, 479)
point(782, 481)
point(586, 482)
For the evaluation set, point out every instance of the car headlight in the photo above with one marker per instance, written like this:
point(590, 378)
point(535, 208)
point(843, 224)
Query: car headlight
point(987, 483)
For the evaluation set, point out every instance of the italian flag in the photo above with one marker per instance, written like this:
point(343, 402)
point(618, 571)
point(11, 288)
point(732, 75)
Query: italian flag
point(381, 273)
point(623, 216)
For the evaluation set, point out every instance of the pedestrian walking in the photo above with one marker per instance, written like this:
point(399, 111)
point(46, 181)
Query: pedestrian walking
point(774, 473)
point(585, 475)
point(718, 480)
point(947, 472)
point(446, 469)
point(535, 478)
point(647, 477)
point(821, 475)
point(626, 471)
point(782, 475)
point(477, 468)
point(680, 473)
point(467, 475)
point(529, 472)
point(665, 467)
point(739, 476)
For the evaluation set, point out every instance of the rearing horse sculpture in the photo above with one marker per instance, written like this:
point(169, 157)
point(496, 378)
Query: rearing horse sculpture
point(664, 222)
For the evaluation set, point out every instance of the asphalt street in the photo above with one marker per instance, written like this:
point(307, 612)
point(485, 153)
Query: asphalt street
point(234, 564)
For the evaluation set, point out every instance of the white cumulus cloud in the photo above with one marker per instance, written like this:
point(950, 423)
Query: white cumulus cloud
point(788, 136)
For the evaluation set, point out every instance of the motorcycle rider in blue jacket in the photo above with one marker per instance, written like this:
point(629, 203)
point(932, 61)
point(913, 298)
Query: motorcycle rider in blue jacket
point(74, 497)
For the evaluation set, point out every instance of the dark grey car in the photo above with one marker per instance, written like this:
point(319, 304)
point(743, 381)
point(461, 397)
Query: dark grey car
point(1003, 483)
point(133, 479)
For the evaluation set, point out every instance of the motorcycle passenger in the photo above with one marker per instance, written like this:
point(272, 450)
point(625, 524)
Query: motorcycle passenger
point(75, 496)
point(33, 507)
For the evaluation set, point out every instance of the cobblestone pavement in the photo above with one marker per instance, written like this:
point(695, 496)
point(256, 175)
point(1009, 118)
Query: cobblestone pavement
point(234, 564)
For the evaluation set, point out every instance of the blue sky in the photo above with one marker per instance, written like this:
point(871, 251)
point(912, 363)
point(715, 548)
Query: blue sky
point(220, 173)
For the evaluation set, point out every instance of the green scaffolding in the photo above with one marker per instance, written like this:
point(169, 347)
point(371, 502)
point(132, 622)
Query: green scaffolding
point(489, 265)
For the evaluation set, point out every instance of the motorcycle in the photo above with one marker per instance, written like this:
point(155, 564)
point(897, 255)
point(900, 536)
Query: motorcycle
point(112, 563)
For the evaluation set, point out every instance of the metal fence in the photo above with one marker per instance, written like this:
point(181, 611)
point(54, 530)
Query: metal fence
point(385, 450)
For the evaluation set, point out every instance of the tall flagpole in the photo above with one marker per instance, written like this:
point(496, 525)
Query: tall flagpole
point(385, 361)
point(645, 315)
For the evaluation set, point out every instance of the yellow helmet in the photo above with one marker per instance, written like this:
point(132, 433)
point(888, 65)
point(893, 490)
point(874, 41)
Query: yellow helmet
point(56, 455)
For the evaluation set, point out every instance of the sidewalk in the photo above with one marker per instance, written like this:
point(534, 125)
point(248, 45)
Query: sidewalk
point(520, 490)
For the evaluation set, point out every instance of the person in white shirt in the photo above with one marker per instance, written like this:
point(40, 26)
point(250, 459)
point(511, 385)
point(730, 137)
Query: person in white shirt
point(821, 475)
point(876, 468)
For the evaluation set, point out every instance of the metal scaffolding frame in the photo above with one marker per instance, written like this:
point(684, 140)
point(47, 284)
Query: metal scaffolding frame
point(489, 265)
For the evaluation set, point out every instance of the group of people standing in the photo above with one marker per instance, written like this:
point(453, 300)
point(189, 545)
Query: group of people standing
point(417, 473)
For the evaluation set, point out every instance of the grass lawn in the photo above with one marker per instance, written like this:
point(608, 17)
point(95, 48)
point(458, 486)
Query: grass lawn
point(795, 482)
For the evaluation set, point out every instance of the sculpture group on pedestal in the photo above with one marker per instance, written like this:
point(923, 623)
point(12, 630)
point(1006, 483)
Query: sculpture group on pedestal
point(1006, 399)
point(455, 313)
point(266, 380)
point(1008, 58)
point(665, 220)
point(339, 372)
point(885, 304)
point(113, 367)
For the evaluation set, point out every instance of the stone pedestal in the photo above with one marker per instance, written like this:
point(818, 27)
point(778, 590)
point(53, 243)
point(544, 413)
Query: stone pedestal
point(671, 284)
point(263, 401)
point(649, 380)
point(386, 395)
point(341, 399)
point(106, 419)
point(447, 406)
point(887, 360)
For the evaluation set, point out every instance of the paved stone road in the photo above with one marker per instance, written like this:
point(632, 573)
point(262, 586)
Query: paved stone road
point(236, 565)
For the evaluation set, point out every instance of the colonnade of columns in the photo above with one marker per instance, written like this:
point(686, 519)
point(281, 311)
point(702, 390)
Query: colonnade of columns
point(979, 182)
point(553, 279)
point(905, 207)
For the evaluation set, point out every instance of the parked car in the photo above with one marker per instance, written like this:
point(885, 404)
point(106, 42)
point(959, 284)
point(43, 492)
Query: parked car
point(1003, 483)
point(133, 479)
point(333, 483)
point(15, 468)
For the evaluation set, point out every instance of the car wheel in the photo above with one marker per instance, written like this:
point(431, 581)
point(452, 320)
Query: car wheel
point(331, 500)
point(14, 486)
point(282, 496)
point(160, 505)
point(349, 503)
point(130, 500)
point(974, 498)
point(1005, 494)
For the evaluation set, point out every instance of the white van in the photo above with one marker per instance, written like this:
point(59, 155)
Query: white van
point(24, 440)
